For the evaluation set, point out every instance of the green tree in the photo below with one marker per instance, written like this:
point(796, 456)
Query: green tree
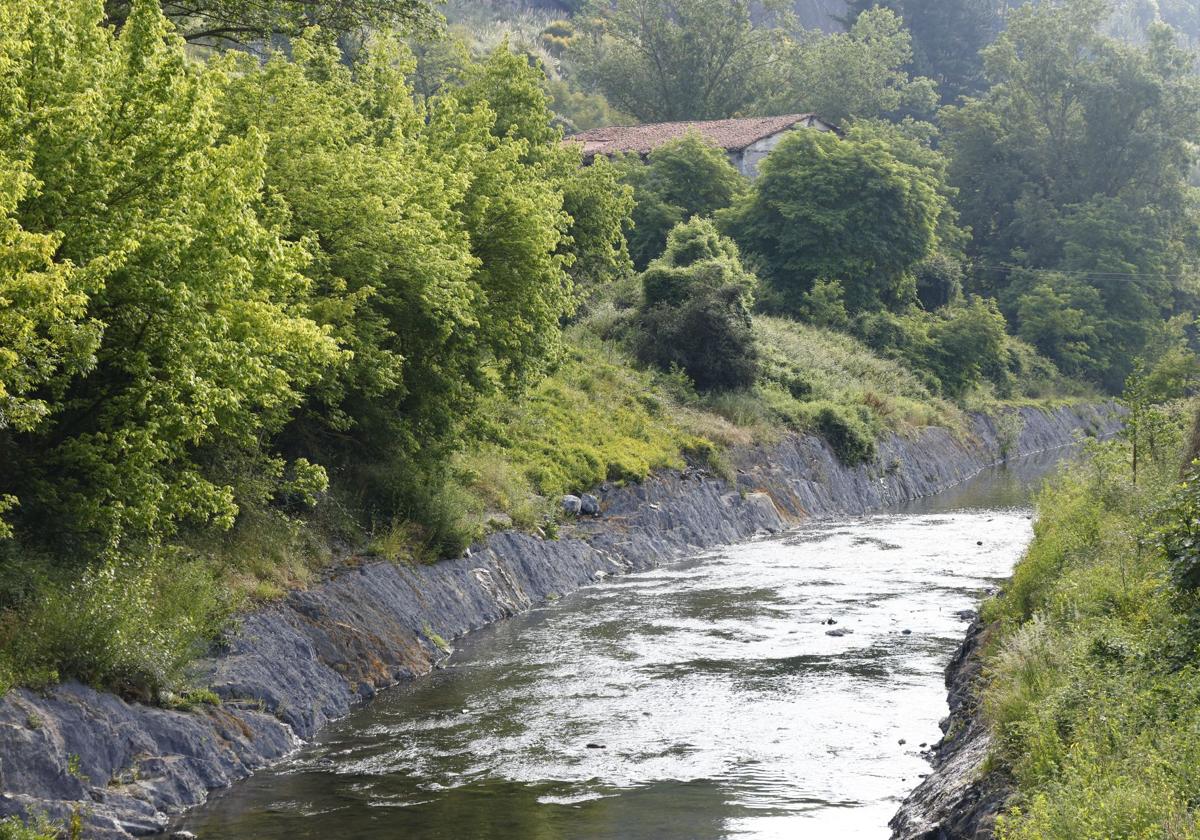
point(856, 74)
point(514, 87)
point(665, 60)
point(187, 343)
point(1060, 324)
point(1077, 159)
point(348, 176)
point(681, 179)
point(967, 344)
point(600, 207)
point(915, 143)
point(696, 313)
point(828, 208)
point(947, 37)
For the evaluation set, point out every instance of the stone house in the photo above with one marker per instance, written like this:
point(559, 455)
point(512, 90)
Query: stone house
point(747, 140)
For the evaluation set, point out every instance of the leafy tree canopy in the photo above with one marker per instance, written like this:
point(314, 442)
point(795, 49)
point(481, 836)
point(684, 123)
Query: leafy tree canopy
point(947, 37)
point(1076, 161)
point(855, 74)
point(663, 60)
point(838, 209)
point(176, 335)
point(681, 179)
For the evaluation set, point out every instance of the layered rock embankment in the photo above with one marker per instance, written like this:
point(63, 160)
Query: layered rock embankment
point(291, 668)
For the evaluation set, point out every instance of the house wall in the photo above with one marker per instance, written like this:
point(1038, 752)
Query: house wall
point(748, 159)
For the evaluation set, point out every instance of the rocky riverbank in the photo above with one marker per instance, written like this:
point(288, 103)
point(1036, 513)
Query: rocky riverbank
point(958, 800)
point(289, 669)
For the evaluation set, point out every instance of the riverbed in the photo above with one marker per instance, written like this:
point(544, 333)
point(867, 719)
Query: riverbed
point(780, 688)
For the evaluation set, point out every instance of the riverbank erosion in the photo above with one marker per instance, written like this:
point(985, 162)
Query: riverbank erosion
point(289, 669)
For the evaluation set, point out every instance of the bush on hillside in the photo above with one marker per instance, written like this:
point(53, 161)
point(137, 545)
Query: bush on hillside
point(847, 433)
point(696, 312)
point(679, 180)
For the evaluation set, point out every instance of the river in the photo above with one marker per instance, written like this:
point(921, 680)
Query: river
point(706, 699)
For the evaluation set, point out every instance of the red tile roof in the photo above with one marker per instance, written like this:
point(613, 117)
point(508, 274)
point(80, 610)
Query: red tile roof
point(731, 135)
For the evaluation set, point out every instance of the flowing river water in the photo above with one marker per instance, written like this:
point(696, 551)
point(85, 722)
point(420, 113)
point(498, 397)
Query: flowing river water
point(705, 699)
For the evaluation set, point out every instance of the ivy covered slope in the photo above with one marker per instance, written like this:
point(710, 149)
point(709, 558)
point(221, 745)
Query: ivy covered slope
point(1094, 689)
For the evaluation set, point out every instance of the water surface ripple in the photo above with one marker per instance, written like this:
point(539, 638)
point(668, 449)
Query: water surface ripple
point(706, 699)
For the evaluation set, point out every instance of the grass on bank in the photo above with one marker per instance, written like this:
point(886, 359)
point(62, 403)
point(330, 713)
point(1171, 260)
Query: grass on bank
point(134, 626)
point(1094, 691)
point(39, 829)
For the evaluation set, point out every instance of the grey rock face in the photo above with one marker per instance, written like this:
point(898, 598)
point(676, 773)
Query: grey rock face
point(957, 801)
point(572, 505)
point(589, 505)
point(292, 667)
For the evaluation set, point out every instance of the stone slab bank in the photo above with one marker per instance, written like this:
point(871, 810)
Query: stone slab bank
point(958, 800)
point(294, 666)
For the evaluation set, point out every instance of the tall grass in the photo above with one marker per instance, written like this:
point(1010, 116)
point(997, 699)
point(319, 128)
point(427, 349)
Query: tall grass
point(1094, 680)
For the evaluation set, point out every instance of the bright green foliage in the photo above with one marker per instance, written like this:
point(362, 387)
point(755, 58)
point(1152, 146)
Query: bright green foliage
point(600, 206)
point(513, 89)
point(393, 272)
point(841, 209)
point(131, 626)
point(595, 419)
point(862, 73)
point(442, 248)
point(663, 60)
point(696, 312)
point(826, 366)
point(681, 179)
point(191, 342)
point(218, 278)
point(1094, 693)
point(13, 829)
point(1077, 160)
point(42, 311)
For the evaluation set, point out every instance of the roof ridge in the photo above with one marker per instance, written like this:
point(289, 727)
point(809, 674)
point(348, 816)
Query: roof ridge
point(731, 134)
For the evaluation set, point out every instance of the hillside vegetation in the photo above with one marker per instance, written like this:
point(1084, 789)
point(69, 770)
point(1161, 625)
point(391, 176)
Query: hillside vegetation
point(1093, 679)
point(286, 283)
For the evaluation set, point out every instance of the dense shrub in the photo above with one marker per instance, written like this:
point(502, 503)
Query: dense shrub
point(131, 626)
point(39, 829)
point(679, 180)
point(846, 432)
point(696, 312)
